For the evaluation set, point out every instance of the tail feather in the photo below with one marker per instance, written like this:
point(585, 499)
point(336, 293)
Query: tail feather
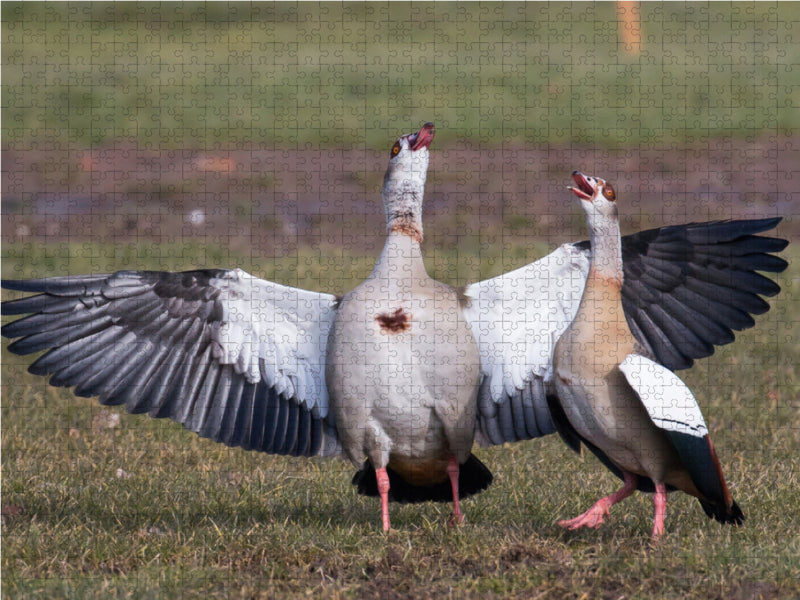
point(723, 514)
point(700, 460)
point(473, 477)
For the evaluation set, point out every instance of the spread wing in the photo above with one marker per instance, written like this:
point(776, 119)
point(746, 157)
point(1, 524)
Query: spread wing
point(689, 287)
point(516, 319)
point(232, 357)
point(686, 289)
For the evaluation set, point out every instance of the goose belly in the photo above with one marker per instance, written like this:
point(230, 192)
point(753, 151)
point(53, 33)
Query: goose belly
point(608, 413)
point(396, 371)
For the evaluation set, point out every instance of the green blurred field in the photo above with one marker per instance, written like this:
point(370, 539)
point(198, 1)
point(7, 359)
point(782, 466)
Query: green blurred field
point(117, 119)
point(340, 75)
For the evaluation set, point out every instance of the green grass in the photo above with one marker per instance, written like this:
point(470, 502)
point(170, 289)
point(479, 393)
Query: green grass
point(341, 75)
point(186, 517)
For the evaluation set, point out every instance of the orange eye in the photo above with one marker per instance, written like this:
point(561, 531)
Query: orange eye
point(609, 193)
point(396, 149)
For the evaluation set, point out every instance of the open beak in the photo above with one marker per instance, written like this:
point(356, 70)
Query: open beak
point(585, 187)
point(423, 138)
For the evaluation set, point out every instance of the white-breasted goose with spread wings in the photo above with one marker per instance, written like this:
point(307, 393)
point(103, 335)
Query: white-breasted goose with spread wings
point(612, 395)
point(248, 362)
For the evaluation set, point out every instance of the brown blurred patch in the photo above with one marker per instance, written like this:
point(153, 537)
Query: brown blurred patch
point(10, 511)
point(273, 201)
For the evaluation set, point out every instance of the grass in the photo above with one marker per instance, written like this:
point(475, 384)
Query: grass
point(341, 75)
point(144, 508)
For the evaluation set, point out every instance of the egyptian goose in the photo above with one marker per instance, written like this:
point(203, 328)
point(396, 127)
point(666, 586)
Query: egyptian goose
point(633, 413)
point(685, 289)
point(402, 365)
point(252, 363)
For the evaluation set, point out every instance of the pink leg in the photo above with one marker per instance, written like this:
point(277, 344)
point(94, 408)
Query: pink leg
point(383, 490)
point(594, 516)
point(660, 502)
point(452, 472)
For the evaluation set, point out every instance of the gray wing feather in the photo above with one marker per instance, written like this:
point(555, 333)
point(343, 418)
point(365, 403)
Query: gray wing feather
point(231, 357)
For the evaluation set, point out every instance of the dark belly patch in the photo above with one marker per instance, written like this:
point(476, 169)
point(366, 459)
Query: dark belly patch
point(394, 322)
point(422, 472)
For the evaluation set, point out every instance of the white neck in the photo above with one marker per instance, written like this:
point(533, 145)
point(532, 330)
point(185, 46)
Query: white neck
point(606, 247)
point(402, 193)
point(403, 204)
point(403, 250)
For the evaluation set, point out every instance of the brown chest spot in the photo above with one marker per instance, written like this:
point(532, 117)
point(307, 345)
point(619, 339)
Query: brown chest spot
point(394, 322)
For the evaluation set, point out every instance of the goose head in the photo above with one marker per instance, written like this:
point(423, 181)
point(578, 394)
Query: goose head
point(404, 182)
point(598, 198)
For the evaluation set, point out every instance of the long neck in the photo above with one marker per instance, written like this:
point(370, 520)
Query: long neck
point(401, 257)
point(606, 249)
point(403, 214)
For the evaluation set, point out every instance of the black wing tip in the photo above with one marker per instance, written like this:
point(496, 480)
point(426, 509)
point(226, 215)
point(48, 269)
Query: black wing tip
point(473, 478)
point(759, 225)
point(731, 515)
point(777, 264)
point(45, 284)
point(9, 308)
point(744, 226)
point(10, 284)
point(23, 285)
point(62, 282)
point(17, 348)
point(752, 225)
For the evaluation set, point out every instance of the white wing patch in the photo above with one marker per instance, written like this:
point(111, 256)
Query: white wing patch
point(517, 317)
point(668, 400)
point(276, 333)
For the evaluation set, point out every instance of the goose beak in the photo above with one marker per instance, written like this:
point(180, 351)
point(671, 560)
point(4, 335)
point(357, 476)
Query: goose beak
point(423, 138)
point(585, 187)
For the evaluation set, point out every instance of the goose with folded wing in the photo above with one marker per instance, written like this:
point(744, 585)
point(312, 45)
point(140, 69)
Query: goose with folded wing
point(633, 413)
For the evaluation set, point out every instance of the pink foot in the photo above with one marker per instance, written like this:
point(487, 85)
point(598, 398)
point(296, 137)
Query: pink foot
point(452, 471)
point(454, 521)
point(594, 517)
point(660, 503)
point(383, 489)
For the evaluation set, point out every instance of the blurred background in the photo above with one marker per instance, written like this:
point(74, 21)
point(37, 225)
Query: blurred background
point(161, 135)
